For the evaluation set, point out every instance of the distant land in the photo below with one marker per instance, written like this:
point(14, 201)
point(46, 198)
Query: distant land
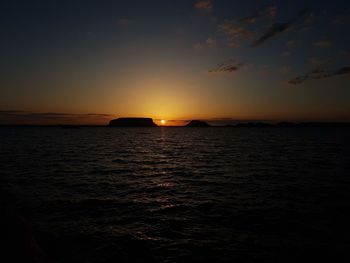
point(148, 122)
point(196, 123)
point(132, 122)
point(291, 124)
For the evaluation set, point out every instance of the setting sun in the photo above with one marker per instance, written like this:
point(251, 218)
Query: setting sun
point(162, 122)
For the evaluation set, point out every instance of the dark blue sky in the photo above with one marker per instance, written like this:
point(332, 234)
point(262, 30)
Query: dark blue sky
point(175, 60)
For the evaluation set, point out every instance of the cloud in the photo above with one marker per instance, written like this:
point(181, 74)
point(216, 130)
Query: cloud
point(272, 31)
point(234, 32)
point(209, 42)
point(318, 62)
point(66, 115)
point(229, 66)
point(51, 114)
point(251, 19)
point(342, 71)
point(278, 28)
point(9, 117)
point(238, 30)
point(319, 74)
point(298, 80)
point(269, 12)
point(323, 44)
point(204, 5)
point(12, 112)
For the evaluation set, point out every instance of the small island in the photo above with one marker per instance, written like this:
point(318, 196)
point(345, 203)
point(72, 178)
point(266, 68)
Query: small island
point(132, 122)
point(197, 123)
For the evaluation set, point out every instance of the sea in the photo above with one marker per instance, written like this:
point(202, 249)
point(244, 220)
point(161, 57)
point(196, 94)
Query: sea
point(103, 194)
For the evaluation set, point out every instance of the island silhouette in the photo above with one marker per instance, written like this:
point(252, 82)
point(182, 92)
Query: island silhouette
point(197, 123)
point(132, 122)
point(148, 122)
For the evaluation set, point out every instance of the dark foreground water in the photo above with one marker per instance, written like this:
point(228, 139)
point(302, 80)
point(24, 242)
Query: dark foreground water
point(177, 194)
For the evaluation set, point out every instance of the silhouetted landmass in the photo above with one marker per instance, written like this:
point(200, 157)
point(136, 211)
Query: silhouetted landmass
point(132, 122)
point(323, 124)
point(196, 123)
point(291, 124)
point(192, 124)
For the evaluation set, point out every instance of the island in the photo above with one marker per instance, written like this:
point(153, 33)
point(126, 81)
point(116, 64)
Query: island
point(132, 122)
point(197, 123)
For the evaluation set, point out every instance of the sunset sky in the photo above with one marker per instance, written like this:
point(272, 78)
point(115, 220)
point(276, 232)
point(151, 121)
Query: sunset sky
point(86, 62)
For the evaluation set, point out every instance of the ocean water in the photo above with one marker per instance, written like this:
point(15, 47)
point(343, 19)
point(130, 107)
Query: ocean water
point(181, 194)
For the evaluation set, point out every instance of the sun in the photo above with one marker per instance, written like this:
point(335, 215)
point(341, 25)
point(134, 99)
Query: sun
point(162, 122)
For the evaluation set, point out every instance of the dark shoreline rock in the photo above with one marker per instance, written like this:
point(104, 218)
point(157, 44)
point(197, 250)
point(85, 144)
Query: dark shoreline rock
point(197, 123)
point(132, 122)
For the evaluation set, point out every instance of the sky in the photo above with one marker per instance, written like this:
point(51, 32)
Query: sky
point(87, 62)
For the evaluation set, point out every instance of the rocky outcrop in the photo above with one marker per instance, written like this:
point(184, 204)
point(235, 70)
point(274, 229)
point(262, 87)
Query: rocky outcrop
point(196, 123)
point(132, 122)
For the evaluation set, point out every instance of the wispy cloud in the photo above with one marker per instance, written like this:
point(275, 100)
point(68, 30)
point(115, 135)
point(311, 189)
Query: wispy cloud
point(210, 42)
point(250, 19)
point(52, 118)
point(342, 71)
point(238, 31)
point(235, 33)
point(12, 112)
point(274, 30)
point(319, 62)
point(319, 74)
point(278, 28)
point(229, 66)
point(269, 12)
point(204, 5)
